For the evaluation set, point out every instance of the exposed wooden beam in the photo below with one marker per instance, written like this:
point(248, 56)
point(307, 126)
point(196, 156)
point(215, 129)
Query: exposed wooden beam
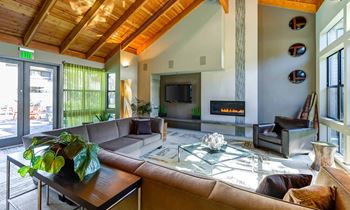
point(225, 5)
point(136, 5)
point(38, 20)
point(293, 5)
point(171, 24)
point(46, 47)
point(88, 17)
point(146, 24)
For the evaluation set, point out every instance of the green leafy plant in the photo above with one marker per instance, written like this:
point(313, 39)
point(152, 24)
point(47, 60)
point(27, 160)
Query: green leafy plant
point(104, 116)
point(51, 155)
point(196, 113)
point(141, 108)
point(162, 111)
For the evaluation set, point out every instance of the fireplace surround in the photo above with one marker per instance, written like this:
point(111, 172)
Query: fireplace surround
point(228, 108)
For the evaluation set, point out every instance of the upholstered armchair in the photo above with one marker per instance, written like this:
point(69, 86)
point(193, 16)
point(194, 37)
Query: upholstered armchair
point(286, 136)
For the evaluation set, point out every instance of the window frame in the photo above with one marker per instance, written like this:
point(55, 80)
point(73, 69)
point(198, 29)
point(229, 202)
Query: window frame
point(111, 91)
point(339, 86)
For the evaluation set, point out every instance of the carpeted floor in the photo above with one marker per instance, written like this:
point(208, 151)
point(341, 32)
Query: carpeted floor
point(247, 172)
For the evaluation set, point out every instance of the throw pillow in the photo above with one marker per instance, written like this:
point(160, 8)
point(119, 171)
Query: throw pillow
point(142, 126)
point(277, 185)
point(317, 197)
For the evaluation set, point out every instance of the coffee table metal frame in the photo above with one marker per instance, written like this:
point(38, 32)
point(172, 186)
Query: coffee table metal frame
point(9, 199)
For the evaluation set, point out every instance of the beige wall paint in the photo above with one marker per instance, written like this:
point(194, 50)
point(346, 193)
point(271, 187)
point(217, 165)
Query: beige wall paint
point(11, 50)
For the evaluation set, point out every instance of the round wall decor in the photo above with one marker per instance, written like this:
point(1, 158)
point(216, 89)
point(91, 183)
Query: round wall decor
point(297, 23)
point(297, 76)
point(297, 50)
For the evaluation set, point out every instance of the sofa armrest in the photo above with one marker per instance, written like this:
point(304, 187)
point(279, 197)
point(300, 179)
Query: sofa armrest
point(157, 125)
point(27, 139)
point(297, 140)
point(260, 128)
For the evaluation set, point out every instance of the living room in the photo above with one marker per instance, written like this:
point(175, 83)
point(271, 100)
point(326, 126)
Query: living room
point(216, 104)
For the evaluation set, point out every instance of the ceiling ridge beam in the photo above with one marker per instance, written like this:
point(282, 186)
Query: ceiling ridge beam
point(38, 20)
point(170, 25)
point(292, 5)
point(225, 5)
point(84, 22)
point(146, 24)
point(108, 34)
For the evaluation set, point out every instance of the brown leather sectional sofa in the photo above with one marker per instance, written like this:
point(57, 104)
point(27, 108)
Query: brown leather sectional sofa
point(167, 189)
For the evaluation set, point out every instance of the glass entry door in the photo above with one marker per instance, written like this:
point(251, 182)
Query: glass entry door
point(11, 101)
point(40, 106)
point(28, 102)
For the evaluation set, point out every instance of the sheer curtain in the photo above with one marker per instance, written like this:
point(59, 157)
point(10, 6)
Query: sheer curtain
point(84, 94)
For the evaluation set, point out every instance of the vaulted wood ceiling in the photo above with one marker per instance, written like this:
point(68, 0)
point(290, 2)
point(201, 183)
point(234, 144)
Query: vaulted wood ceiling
point(91, 29)
point(310, 6)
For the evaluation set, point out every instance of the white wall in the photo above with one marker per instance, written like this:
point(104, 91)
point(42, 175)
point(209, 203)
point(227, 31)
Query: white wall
point(207, 32)
point(11, 50)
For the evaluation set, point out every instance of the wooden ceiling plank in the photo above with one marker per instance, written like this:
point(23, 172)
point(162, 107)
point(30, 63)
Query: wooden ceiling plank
point(293, 5)
point(171, 24)
point(135, 6)
point(38, 20)
point(88, 17)
point(146, 24)
point(225, 5)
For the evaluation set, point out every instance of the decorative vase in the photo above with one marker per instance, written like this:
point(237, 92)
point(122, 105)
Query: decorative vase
point(214, 141)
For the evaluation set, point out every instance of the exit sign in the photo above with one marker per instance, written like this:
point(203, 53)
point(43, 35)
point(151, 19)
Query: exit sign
point(26, 53)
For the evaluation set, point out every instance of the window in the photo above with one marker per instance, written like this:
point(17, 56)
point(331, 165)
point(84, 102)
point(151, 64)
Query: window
point(335, 86)
point(111, 91)
point(337, 139)
point(84, 94)
point(335, 32)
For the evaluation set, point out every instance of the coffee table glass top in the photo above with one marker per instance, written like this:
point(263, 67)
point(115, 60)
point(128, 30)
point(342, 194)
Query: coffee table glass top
point(226, 153)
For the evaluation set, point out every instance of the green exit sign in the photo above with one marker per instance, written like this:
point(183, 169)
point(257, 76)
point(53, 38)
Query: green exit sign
point(26, 53)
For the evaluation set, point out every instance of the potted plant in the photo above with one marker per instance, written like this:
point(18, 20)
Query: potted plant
point(104, 116)
point(196, 113)
point(141, 108)
point(66, 155)
point(162, 111)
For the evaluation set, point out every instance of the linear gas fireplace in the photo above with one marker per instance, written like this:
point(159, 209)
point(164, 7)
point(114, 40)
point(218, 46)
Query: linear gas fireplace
point(230, 108)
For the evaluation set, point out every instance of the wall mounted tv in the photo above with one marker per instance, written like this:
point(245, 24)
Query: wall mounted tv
point(178, 93)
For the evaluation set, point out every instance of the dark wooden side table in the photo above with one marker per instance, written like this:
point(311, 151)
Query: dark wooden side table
point(324, 154)
point(102, 190)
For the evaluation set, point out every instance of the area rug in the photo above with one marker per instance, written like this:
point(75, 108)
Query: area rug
point(246, 172)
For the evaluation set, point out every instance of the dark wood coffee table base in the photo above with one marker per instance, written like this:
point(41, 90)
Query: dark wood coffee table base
point(100, 191)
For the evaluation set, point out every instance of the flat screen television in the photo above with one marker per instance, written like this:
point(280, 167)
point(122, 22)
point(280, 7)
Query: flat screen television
point(178, 93)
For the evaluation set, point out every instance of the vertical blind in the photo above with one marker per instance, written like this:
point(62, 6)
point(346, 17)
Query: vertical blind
point(84, 94)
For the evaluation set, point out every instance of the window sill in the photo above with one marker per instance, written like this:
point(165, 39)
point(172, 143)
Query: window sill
point(339, 160)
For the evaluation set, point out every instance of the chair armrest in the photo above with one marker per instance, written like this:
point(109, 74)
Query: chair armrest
point(260, 128)
point(297, 140)
point(157, 125)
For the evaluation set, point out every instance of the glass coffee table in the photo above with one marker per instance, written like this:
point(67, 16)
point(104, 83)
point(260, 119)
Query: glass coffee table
point(214, 158)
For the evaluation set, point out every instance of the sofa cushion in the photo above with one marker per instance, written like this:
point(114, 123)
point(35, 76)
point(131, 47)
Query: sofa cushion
point(103, 131)
point(288, 123)
point(147, 138)
point(271, 137)
point(277, 185)
point(56, 132)
point(124, 126)
point(315, 196)
point(122, 144)
point(143, 126)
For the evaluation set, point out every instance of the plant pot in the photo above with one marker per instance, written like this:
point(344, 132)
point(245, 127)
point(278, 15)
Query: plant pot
point(67, 171)
point(196, 117)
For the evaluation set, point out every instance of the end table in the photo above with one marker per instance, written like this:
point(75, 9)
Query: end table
point(324, 154)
